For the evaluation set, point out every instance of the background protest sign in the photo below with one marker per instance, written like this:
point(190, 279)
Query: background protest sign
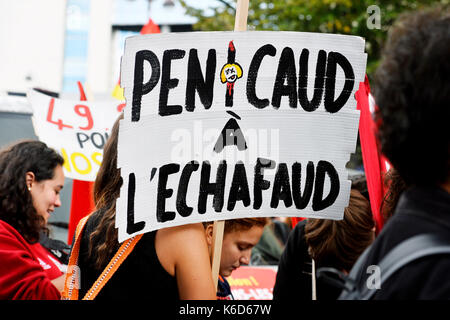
point(253, 282)
point(77, 130)
point(224, 125)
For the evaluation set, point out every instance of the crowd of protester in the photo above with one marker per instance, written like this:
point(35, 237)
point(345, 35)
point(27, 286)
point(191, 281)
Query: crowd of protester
point(315, 258)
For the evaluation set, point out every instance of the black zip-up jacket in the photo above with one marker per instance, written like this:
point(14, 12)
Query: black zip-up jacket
point(420, 210)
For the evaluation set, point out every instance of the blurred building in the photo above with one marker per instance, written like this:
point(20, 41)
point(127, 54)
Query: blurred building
point(52, 44)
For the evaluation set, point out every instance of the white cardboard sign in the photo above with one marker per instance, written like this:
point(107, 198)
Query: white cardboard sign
point(77, 130)
point(224, 125)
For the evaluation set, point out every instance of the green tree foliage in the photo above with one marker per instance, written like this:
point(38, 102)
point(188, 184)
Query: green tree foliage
point(330, 16)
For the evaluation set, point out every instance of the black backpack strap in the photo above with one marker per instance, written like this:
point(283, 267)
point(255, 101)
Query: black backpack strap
point(407, 251)
point(337, 278)
point(357, 272)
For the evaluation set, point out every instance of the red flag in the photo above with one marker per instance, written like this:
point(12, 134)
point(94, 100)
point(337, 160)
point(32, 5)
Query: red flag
point(295, 220)
point(375, 164)
point(373, 160)
point(150, 27)
point(82, 197)
point(82, 94)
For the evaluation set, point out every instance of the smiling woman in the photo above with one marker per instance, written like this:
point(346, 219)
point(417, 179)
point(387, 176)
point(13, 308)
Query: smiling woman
point(45, 194)
point(31, 178)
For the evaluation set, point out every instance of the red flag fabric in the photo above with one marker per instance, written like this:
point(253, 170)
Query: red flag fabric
point(374, 162)
point(82, 204)
point(295, 220)
point(82, 197)
point(150, 27)
point(82, 94)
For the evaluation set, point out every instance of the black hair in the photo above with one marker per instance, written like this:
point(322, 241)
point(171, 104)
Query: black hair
point(412, 91)
point(16, 206)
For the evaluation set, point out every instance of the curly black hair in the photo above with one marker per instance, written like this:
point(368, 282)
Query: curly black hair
point(412, 90)
point(16, 206)
point(395, 187)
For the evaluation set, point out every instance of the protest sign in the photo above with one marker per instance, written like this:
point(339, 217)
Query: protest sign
point(78, 130)
point(225, 125)
point(253, 282)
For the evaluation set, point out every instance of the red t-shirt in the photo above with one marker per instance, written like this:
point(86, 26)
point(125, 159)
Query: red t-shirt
point(25, 269)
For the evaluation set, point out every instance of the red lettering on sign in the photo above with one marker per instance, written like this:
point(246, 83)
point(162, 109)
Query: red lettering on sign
point(59, 122)
point(83, 111)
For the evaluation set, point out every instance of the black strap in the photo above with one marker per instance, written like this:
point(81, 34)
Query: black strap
point(339, 279)
point(407, 251)
point(357, 271)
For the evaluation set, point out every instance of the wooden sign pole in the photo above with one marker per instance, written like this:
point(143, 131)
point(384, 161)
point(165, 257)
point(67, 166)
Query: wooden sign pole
point(240, 20)
point(240, 24)
point(216, 250)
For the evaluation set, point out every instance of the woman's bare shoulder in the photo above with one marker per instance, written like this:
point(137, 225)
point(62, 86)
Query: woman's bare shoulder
point(176, 244)
point(174, 234)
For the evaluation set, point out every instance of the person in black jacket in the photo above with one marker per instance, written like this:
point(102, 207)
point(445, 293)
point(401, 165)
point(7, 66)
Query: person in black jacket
point(331, 243)
point(412, 93)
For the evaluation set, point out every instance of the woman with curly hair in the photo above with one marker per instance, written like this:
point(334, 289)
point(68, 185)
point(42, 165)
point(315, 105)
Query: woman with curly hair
point(31, 178)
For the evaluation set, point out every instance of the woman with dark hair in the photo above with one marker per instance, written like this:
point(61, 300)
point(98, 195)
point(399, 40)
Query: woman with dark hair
point(31, 178)
point(328, 243)
point(164, 265)
point(239, 237)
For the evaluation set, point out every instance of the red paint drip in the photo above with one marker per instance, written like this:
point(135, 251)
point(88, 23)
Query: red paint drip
point(230, 87)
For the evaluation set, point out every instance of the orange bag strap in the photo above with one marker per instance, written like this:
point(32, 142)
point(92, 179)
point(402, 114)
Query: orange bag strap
point(71, 285)
point(72, 280)
point(125, 249)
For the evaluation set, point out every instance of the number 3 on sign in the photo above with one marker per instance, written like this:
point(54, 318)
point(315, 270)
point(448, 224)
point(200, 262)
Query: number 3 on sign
point(59, 122)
